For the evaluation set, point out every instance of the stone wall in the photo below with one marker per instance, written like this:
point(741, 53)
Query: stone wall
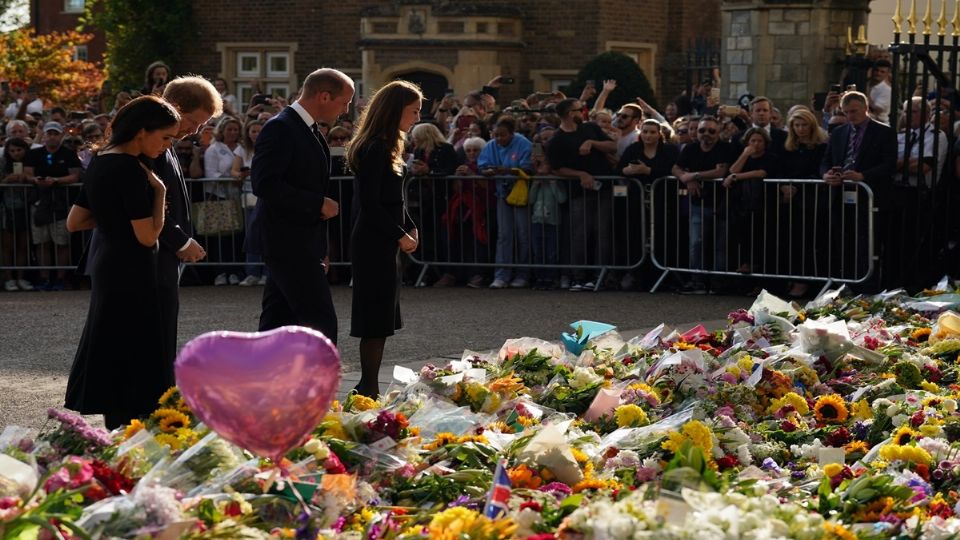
point(785, 51)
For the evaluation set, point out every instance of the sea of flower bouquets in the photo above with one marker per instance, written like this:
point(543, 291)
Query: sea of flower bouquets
point(835, 420)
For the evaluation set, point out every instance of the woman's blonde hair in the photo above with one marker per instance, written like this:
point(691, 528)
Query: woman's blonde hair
point(222, 125)
point(429, 136)
point(380, 120)
point(817, 134)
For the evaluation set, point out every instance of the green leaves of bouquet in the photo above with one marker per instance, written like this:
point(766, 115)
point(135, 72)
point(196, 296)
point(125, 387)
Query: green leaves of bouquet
point(690, 468)
point(534, 367)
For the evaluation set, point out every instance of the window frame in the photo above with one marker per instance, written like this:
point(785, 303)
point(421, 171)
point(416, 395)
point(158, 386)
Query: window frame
point(268, 71)
point(248, 74)
point(68, 6)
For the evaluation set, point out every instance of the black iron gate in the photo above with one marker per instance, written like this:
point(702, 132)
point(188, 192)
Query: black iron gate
point(920, 225)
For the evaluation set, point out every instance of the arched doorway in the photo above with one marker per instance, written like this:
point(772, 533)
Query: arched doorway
point(434, 86)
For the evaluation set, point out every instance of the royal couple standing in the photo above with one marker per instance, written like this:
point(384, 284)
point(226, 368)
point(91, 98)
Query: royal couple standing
point(125, 358)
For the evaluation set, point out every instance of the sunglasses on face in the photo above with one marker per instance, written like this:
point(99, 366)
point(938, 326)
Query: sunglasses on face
point(711, 131)
point(682, 131)
point(625, 115)
point(338, 138)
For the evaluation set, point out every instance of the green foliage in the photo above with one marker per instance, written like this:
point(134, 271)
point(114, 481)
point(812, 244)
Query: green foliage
point(690, 468)
point(138, 33)
point(631, 81)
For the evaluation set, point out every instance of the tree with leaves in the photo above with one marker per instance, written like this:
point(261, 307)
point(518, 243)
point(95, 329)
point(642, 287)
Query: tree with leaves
point(47, 62)
point(138, 33)
point(631, 81)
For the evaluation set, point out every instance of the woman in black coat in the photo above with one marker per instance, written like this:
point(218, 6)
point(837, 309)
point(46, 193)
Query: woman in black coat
point(383, 227)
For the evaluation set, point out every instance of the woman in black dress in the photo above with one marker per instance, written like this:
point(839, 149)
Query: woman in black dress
point(799, 225)
point(119, 369)
point(383, 227)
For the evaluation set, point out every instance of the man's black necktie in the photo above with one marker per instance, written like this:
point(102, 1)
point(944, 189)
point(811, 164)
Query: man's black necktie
point(316, 131)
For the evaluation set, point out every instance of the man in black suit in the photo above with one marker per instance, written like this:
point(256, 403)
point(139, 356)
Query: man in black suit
point(197, 101)
point(761, 115)
point(862, 150)
point(291, 175)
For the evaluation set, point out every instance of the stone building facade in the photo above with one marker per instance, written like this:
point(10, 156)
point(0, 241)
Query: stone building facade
point(786, 51)
point(440, 43)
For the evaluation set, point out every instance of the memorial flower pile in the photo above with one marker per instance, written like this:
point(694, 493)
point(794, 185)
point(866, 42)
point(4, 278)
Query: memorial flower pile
point(836, 420)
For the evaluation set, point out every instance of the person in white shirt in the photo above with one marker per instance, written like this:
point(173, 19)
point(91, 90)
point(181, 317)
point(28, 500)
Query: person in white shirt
point(242, 161)
point(919, 150)
point(879, 91)
point(627, 121)
point(217, 163)
point(21, 95)
point(229, 100)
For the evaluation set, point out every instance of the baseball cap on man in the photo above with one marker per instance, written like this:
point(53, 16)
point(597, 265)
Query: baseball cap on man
point(53, 126)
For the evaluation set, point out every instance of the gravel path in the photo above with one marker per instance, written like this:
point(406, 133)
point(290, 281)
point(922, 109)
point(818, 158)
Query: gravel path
point(39, 331)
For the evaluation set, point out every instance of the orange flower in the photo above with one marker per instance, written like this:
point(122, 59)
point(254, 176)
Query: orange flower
point(522, 476)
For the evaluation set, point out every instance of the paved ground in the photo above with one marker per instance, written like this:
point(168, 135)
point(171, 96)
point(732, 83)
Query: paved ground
point(39, 331)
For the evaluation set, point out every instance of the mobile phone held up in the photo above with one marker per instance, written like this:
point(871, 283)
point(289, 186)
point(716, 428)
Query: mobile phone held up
point(507, 79)
point(819, 100)
point(261, 99)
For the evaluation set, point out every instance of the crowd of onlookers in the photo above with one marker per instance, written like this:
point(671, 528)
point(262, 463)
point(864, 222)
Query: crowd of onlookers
point(719, 155)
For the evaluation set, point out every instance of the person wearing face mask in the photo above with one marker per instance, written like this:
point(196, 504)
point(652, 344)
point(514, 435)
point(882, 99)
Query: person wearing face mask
point(579, 150)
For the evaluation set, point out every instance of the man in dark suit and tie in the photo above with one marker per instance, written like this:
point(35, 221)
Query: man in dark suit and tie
point(862, 150)
point(197, 101)
point(291, 174)
point(761, 114)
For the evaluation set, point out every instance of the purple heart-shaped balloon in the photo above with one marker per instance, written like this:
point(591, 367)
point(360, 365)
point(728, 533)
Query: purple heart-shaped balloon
point(263, 391)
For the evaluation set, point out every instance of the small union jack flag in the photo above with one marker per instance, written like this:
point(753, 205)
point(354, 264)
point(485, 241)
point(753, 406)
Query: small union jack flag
point(499, 493)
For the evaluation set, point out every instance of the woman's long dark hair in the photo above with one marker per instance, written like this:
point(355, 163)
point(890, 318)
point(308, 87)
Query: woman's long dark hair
point(381, 120)
point(148, 113)
point(7, 161)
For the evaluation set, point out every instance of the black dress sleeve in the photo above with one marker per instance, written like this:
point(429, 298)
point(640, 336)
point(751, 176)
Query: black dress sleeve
point(375, 171)
point(133, 190)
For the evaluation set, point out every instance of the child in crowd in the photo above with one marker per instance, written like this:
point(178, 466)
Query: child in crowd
point(545, 197)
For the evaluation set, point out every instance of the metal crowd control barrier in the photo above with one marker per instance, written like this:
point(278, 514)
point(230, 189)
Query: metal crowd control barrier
point(219, 210)
point(462, 223)
point(224, 243)
point(33, 234)
point(799, 229)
